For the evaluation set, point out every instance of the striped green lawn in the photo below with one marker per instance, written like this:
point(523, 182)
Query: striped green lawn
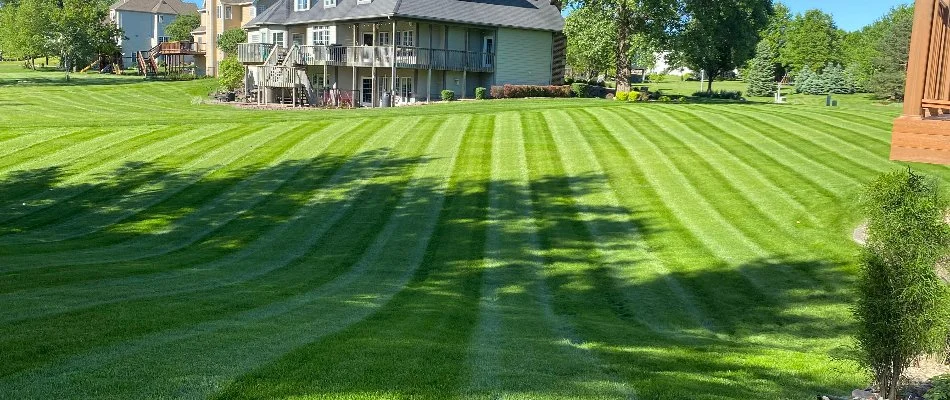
point(153, 247)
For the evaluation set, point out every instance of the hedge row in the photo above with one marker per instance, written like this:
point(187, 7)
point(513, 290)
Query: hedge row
point(522, 91)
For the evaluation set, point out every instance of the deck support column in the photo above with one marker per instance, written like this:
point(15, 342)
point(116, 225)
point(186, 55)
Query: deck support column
point(354, 58)
point(465, 64)
point(373, 47)
point(392, 83)
point(429, 82)
point(918, 59)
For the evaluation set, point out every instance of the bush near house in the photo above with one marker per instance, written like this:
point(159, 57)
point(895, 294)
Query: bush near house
point(581, 90)
point(622, 96)
point(231, 73)
point(480, 93)
point(523, 91)
point(448, 95)
point(719, 95)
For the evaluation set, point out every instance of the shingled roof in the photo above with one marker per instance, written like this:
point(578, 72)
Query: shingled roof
point(175, 7)
point(525, 14)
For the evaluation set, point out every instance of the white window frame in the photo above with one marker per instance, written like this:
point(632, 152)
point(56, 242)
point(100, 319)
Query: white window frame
point(283, 38)
point(406, 38)
point(321, 35)
point(254, 37)
point(220, 11)
point(299, 3)
point(384, 38)
point(329, 3)
point(228, 12)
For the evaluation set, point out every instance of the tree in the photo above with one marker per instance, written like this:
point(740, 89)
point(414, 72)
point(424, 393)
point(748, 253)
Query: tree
point(231, 73)
point(902, 306)
point(860, 48)
point(180, 29)
point(761, 75)
point(890, 64)
point(591, 36)
point(229, 40)
point(806, 81)
point(836, 80)
point(27, 29)
point(84, 31)
point(651, 20)
point(812, 40)
point(720, 35)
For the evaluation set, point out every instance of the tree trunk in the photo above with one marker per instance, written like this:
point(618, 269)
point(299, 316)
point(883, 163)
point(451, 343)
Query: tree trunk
point(709, 82)
point(623, 47)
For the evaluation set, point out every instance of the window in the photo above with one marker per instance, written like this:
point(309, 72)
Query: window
point(405, 38)
point(329, 3)
point(161, 18)
point(384, 39)
point(318, 80)
point(321, 36)
point(220, 12)
point(163, 39)
point(297, 38)
point(254, 38)
point(301, 5)
point(227, 12)
point(404, 88)
point(277, 38)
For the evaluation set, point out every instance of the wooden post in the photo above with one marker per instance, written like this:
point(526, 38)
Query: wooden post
point(429, 82)
point(918, 58)
point(373, 48)
point(353, 88)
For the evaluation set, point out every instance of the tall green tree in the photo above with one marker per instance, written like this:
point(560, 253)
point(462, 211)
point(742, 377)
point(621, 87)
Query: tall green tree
point(651, 20)
point(180, 29)
point(902, 307)
point(813, 39)
point(889, 74)
point(28, 29)
point(84, 32)
point(591, 38)
point(761, 72)
point(230, 39)
point(860, 48)
point(721, 35)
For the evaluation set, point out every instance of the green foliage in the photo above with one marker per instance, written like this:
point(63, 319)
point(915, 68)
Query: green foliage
point(902, 305)
point(580, 90)
point(940, 389)
point(448, 95)
point(860, 49)
point(230, 40)
point(890, 63)
point(591, 40)
point(761, 72)
point(180, 29)
point(28, 29)
point(836, 81)
point(719, 95)
point(812, 40)
point(622, 96)
point(807, 81)
point(720, 35)
point(230, 73)
point(664, 99)
point(480, 93)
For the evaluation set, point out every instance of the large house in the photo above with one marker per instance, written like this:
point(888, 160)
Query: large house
point(403, 51)
point(218, 16)
point(143, 22)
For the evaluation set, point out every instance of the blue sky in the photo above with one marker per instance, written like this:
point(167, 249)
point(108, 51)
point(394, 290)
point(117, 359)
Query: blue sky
point(850, 14)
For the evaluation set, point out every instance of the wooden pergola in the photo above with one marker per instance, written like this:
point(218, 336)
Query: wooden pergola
point(922, 133)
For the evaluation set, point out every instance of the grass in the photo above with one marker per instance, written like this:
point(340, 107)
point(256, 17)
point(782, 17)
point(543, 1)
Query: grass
point(151, 246)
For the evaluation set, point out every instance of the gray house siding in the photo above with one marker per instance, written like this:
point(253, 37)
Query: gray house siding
point(523, 57)
point(141, 30)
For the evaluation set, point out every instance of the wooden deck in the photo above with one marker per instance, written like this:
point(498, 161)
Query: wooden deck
point(922, 133)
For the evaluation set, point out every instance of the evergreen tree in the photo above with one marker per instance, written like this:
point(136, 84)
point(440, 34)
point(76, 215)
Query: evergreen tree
point(761, 74)
point(805, 81)
point(835, 80)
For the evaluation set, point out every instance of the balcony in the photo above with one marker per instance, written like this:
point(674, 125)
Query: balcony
point(179, 48)
point(374, 56)
point(254, 53)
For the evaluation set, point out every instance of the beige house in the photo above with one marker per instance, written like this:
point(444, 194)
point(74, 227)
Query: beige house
point(218, 16)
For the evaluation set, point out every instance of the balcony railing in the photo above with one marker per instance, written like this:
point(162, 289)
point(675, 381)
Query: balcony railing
point(254, 53)
point(375, 56)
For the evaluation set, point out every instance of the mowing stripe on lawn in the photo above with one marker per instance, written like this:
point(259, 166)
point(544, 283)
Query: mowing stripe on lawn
point(32, 145)
point(76, 185)
point(216, 352)
point(259, 258)
point(870, 132)
point(520, 343)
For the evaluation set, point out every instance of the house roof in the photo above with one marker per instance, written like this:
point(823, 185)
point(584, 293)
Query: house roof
point(176, 7)
point(526, 14)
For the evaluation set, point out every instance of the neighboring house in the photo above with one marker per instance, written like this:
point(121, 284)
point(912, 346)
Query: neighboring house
point(218, 16)
point(143, 22)
point(411, 48)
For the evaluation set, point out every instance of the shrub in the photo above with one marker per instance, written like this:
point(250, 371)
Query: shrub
point(523, 91)
point(719, 95)
point(230, 73)
point(230, 39)
point(665, 99)
point(940, 389)
point(448, 95)
point(902, 305)
point(580, 90)
point(480, 93)
point(622, 96)
point(644, 95)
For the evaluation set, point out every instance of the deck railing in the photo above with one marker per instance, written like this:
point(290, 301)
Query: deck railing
point(254, 53)
point(376, 56)
point(277, 76)
point(180, 48)
point(928, 71)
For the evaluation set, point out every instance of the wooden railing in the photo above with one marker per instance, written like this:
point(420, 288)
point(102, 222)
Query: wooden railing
point(254, 53)
point(277, 76)
point(928, 70)
point(168, 48)
point(377, 56)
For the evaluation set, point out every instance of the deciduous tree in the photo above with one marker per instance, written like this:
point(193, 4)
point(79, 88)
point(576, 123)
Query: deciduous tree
point(180, 29)
point(720, 35)
point(230, 39)
point(813, 39)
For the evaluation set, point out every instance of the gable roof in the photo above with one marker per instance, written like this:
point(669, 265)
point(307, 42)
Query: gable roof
point(525, 14)
point(176, 7)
